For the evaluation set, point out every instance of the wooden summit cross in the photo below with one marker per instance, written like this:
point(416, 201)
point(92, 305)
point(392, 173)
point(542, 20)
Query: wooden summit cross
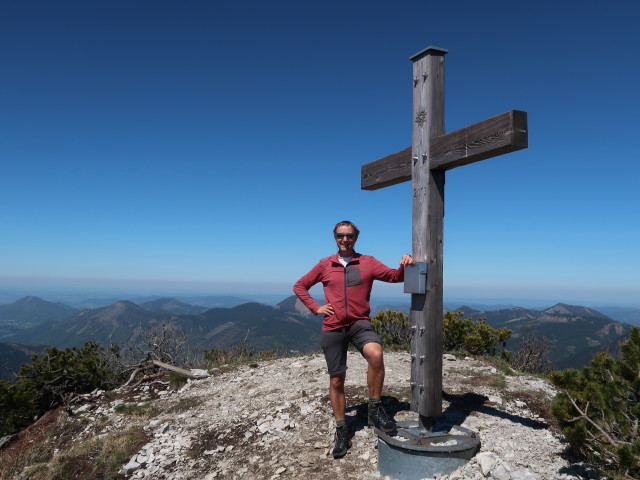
point(424, 163)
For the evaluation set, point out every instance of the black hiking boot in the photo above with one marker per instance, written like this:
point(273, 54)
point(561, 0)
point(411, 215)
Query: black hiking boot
point(343, 442)
point(379, 418)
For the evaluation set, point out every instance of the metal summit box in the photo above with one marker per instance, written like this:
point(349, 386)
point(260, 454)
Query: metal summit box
point(415, 278)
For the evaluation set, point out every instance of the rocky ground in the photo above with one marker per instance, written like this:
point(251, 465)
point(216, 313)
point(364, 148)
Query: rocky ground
point(272, 420)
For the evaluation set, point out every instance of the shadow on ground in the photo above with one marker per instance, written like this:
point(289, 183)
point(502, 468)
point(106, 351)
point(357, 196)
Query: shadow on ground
point(460, 406)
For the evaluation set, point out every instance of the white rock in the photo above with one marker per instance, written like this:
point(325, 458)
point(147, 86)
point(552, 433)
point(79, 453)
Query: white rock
point(131, 467)
point(83, 408)
point(523, 474)
point(487, 461)
point(500, 473)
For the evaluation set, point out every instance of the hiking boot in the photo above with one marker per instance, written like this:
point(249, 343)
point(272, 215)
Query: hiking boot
point(379, 418)
point(343, 442)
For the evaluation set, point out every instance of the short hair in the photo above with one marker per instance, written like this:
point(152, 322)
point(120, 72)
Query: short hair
point(346, 223)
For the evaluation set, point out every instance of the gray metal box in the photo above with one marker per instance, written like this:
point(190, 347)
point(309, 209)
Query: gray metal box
point(415, 278)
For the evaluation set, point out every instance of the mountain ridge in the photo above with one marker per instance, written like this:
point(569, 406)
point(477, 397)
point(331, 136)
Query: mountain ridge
point(575, 333)
point(33, 310)
point(559, 324)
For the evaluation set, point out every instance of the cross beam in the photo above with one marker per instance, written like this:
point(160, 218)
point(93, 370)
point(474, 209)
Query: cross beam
point(495, 136)
point(424, 163)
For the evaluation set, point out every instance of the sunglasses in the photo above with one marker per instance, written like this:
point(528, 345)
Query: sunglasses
point(348, 235)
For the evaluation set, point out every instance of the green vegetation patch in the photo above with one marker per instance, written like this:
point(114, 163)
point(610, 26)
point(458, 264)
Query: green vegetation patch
point(474, 337)
point(598, 409)
point(137, 410)
point(184, 404)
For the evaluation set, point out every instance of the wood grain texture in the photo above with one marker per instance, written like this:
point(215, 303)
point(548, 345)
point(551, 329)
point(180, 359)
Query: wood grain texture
point(504, 133)
point(389, 170)
point(494, 136)
point(427, 219)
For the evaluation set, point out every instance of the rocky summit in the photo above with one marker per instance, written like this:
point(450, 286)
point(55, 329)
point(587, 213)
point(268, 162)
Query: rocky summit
point(272, 420)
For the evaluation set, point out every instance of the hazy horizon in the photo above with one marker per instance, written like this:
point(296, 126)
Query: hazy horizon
point(382, 293)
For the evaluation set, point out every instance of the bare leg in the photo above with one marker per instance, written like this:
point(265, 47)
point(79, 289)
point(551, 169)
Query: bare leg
point(336, 395)
point(372, 352)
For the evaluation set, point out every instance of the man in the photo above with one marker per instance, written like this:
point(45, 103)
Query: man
point(347, 278)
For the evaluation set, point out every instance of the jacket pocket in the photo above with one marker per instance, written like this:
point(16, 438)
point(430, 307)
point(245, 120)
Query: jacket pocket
point(352, 276)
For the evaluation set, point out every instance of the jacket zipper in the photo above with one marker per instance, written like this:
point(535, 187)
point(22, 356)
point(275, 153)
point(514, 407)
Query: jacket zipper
point(346, 303)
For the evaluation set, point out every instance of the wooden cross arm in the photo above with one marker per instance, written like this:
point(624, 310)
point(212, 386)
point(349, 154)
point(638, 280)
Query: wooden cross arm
point(495, 136)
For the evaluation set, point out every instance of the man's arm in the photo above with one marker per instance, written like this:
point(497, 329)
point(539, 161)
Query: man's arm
point(392, 275)
point(302, 286)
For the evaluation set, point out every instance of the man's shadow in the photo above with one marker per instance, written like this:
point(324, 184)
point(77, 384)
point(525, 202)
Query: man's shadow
point(360, 419)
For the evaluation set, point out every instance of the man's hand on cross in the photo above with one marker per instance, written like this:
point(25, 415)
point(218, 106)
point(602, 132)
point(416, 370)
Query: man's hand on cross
point(406, 260)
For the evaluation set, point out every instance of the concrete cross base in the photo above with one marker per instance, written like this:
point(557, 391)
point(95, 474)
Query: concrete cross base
point(413, 453)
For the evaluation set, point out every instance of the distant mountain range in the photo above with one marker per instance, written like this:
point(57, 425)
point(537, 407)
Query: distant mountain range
point(575, 333)
point(33, 310)
point(174, 306)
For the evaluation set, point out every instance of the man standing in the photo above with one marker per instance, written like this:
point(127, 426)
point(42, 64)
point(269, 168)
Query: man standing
point(347, 278)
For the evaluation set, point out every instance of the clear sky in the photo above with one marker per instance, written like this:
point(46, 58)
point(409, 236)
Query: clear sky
point(209, 147)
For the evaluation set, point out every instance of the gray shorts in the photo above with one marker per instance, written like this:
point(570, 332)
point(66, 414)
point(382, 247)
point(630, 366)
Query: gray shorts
point(335, 343)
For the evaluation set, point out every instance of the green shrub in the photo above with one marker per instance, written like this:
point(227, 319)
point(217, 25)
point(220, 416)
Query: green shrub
point(393, 327)
point(598, 408)
point(458, 334)
point(223, 356)
point(52, 379)
point(474, 337)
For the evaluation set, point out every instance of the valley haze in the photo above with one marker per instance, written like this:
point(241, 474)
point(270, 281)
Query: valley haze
point(79, 291)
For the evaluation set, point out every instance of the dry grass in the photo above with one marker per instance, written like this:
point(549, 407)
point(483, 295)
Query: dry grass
point(49, 450)
point(32, 445)
point(97, 458)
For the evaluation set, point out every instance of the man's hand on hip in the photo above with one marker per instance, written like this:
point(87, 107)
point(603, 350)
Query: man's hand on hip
point(325, 310)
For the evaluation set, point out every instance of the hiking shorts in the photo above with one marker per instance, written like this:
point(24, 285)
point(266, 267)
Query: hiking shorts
point(335, 343)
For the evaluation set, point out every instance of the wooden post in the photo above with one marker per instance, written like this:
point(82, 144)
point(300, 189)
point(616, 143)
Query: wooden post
point(427, 218)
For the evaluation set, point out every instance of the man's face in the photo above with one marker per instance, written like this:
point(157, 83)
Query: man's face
point(345, 239)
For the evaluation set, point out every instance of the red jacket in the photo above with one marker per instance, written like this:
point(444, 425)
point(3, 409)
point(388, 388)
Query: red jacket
point(347, 289)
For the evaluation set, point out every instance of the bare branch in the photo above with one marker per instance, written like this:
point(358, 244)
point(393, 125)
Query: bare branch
point(584, 416)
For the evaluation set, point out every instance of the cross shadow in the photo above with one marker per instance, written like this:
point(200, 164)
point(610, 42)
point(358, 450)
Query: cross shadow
point(459, 408)
point(462, 405)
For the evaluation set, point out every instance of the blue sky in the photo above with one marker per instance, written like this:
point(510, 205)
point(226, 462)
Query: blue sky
point(208, 147)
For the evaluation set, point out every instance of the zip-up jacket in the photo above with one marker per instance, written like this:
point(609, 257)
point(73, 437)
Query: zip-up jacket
point(347, 289)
